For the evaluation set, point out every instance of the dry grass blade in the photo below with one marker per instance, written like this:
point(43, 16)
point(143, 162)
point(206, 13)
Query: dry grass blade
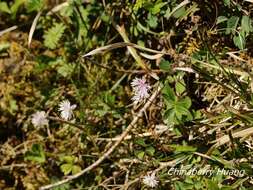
point(32, 29)
point(235, 56)
point(58, 8)
point(151, 57)
point(250, 1)
point(8, 30)
point(225, 139)
point(228, 69)
point(120, 45)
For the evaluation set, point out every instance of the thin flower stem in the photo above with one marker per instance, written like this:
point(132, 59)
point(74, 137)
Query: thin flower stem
point(81, 127)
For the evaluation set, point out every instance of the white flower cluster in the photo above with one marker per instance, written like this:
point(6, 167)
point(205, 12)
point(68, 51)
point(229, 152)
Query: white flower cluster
point(66, 109)
point(140, 89)
point(150, 180)
point(40, 119)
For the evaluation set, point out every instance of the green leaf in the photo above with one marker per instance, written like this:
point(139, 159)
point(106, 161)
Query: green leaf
point(150, 151)
point(221, 19)
point(167, 13)
point(226, 2)
point(82, 27)
point(141, 142)
point(4, 46)
point(180, 87)
point(165, 65)
point(65, 186)
point(186, 102)
point(246, 25)
point(67, 11)
point(66, 168)
point(183, 148)
point(198, 185)
point(152, 21)
point(168, 93)
point(15, 7)
point(183, 186)
point(13, 106)
point(76, 169)
point(138, 4)
point(53, 35)
point(169, 115)
point(65, 70)
point(180, 12)
point(34, 5)
point(36, 154)
point(4, 8)
point(140, 154)
point(212, 185)
point(239, 41)
point(181, 108)
point(226, 163)
point(157, 8)
point(68, 159)
point(180, 111)
point(232, 24)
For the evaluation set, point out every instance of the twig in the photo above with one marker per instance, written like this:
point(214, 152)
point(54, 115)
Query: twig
point(108, 152)
point(10, 167)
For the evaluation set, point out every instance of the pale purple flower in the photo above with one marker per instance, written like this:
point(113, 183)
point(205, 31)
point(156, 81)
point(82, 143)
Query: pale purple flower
point(140, 89)
point(39, 119)
point(150, 180)
point(66, 109)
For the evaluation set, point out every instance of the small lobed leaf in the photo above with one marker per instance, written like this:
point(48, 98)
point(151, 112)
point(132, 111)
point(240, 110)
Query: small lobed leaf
point(66, 168)
point(140, 154)
point(36, 154)
point(76, 169)
point(68, 159)
point(34, 5)
point(53, 35)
